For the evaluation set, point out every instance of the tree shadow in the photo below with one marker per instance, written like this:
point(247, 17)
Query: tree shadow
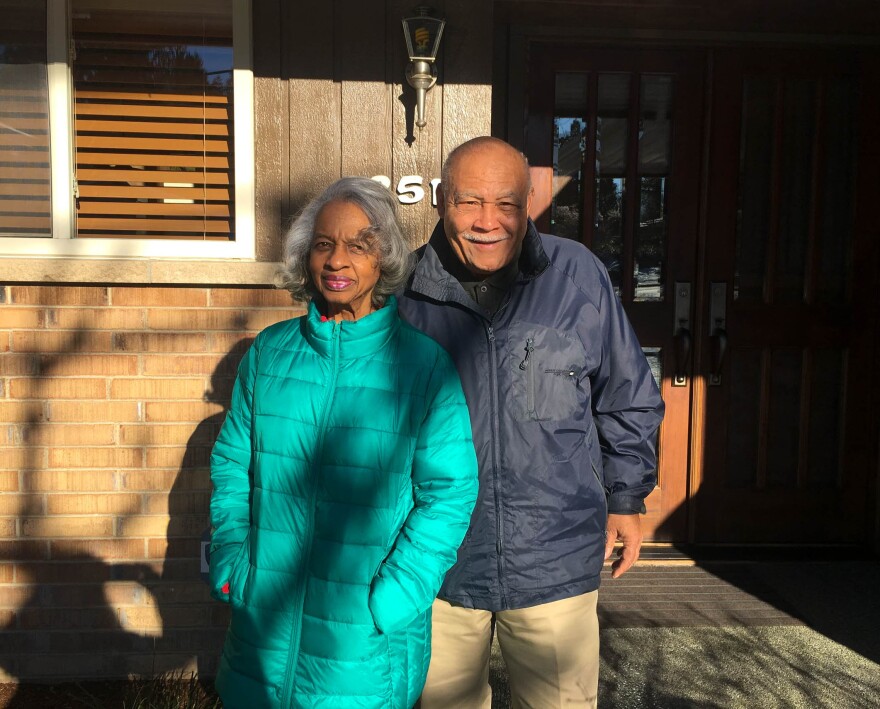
point(71, 622)
point(831, 591)
point(65, 618)
point(192, 621)
point(724, 666)
point(739, 627)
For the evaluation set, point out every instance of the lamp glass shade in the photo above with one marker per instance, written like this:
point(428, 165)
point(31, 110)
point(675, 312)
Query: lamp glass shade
point(423, 37)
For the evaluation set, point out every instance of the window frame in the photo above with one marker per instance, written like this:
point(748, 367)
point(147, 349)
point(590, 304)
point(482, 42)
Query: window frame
point(63, 241)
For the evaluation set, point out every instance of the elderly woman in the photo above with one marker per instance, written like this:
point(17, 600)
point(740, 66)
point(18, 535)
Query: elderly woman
point(344, 477)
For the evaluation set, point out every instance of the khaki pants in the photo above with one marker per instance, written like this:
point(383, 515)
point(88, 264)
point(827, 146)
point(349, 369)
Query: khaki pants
point(551, 652)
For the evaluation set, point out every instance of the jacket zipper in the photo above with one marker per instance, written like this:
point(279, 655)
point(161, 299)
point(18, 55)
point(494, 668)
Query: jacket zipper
point(530, 378)
point(496, 434)
point(530, 347)
point(295, 633)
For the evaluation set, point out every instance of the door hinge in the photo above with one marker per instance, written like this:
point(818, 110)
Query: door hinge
point(75, 188)
point(71, 51)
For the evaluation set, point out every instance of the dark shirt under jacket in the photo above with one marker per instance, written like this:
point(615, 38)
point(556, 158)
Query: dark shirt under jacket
point(487, 292)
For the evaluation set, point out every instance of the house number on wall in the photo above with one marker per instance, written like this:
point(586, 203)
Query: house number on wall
point(410, 189)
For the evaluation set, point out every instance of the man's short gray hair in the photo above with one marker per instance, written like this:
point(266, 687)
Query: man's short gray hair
point(396, 260)
point(467, 146)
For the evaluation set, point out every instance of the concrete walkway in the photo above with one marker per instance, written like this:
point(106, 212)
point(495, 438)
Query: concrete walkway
point(730, 635)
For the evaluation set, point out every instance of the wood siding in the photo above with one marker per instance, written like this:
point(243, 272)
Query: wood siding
point(332, 101)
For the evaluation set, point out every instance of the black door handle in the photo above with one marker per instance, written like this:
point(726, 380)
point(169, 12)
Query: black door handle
point(719, 350)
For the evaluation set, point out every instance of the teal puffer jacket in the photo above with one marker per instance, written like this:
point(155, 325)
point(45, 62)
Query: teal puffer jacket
point(344, 480)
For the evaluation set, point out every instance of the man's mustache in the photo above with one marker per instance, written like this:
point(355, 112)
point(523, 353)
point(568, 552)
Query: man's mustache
point(468, 236)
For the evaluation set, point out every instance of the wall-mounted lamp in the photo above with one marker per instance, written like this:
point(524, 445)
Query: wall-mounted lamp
point(422, 34)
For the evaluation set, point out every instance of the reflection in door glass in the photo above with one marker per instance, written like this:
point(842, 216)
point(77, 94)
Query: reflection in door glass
point(650, 246)
point(611, 141)
point(569, 145)
point(608, 236)
point(654, 355)
point(655, 121)
point(655, 124)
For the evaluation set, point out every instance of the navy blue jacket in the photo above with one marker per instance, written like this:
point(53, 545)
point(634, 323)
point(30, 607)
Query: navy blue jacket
point(564, 412)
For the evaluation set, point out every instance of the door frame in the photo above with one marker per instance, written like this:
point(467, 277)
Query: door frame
point(667, 507)
point(513, 56)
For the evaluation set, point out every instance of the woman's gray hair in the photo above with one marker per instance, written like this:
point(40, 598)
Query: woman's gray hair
point(396, 260)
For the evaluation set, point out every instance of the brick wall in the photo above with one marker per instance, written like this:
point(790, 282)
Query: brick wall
point(110, 400)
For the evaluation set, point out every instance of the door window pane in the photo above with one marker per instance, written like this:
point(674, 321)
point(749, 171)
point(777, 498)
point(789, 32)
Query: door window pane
point(611, 128)
point(24, 120)
point(655, 127)
point(650, 246)
point(654, 355)
point(153, 120)
point(569, 145)
point(608, 236)
point(611, 141)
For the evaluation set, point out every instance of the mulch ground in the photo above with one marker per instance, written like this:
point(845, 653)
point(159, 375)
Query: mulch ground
point(110, 694)
point(63, 696)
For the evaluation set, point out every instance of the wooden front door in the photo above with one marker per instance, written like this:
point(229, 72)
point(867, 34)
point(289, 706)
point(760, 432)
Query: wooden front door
point(613, 138)
point(785, 455)
point(722, 189)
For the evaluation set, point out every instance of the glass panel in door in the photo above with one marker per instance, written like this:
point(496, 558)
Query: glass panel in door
point(608, 123)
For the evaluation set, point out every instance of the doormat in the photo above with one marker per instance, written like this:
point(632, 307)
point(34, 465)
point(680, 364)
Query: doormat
point(687, 596)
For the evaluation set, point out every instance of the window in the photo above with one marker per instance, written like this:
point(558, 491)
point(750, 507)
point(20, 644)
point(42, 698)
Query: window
point(126, 129)
point(24, 120)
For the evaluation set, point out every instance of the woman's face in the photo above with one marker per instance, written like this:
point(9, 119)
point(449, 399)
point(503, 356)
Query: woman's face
point(344, 263)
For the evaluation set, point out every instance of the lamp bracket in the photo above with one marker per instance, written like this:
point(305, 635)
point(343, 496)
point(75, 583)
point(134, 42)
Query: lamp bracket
point(421, 75)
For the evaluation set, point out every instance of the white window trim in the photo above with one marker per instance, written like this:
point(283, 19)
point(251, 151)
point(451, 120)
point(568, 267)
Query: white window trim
point(62, 242)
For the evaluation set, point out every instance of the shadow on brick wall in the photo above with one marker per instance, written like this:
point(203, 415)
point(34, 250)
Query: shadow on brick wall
point(194, 624)
point(65, 626)
point(79, 614)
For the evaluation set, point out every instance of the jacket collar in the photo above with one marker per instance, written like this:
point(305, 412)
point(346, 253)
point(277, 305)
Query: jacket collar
point(433, 279)
point(358, 338)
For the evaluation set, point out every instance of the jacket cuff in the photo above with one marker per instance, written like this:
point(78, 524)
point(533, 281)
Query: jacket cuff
point(625, 505)
point(221, 566)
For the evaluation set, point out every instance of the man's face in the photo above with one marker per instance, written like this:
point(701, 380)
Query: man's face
point(485, 207)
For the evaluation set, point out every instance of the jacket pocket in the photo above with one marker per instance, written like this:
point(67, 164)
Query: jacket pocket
point(547, 365)
point(240, 572)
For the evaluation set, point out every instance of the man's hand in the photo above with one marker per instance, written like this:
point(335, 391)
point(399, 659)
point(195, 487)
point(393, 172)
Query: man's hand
point(627, 529)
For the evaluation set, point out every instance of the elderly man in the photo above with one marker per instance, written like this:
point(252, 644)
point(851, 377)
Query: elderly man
point(564, 413)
